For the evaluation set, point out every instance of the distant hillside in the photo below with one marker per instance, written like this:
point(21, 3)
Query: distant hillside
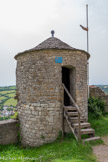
point(103, 87)
point(7, 88)
point(7, 101)
point(7, 96)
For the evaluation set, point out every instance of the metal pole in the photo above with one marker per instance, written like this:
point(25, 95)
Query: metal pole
point(87, 48)
point(87, 27)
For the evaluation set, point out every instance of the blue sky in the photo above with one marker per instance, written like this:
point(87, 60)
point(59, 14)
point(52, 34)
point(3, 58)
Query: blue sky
point(26, 23)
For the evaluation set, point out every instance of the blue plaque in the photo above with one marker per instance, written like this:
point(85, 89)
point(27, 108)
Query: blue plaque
point(58, 59)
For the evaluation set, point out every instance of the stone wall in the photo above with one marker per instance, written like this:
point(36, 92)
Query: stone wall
point(40, 94)
point(8, 131)
point(98, 92)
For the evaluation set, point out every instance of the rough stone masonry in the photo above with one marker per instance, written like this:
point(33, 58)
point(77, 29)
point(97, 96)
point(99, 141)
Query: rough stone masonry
point(9, 131)
point(99, 93)
point(39, 88)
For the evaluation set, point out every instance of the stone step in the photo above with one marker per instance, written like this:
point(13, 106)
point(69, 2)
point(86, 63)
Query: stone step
point(83, 125)
point(88, 131)
point(69, 108)
point(91, 139)
point(72, 113)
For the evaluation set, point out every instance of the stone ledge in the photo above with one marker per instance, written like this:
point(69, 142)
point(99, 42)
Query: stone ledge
point(98, 92)
point(8, 131)
point(8, 121)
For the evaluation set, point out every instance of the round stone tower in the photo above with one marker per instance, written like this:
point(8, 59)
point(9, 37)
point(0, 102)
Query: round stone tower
point(39, 76)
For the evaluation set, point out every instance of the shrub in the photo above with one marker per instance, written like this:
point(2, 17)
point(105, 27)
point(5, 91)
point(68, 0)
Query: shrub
point(15, 116)
point(96, 106)
point(4, 118)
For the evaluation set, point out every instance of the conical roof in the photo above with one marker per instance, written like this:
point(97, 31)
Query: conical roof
point(51, 43)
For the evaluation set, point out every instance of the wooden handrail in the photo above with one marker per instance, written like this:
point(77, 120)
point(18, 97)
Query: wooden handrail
point(71, 98)
point(79, 113)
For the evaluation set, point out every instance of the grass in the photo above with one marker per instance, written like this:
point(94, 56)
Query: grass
point(3, 92)
point(67, 150)
point(7, 96)
point(100, 125)
point(11, 101)
point(2, 97)
point(11, 94)
point(7, 92)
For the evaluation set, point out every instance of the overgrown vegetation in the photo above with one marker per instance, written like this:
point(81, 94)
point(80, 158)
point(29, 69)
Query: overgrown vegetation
point(100, 125)
point(97, 116)
point(4, 118)
point(15, 116)
point(96, 107)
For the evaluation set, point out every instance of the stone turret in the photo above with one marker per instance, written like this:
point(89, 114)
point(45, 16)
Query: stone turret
point(39, 76)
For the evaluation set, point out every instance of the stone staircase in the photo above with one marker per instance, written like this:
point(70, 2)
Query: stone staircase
point(78, 124)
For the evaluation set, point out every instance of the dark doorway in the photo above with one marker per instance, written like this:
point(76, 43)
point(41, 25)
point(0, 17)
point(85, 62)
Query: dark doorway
point(66, 81)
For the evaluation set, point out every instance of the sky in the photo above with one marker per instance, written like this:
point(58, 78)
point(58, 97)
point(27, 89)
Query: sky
point(26, 23)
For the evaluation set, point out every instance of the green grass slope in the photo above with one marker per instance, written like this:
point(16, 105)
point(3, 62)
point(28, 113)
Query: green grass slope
point(7, 96)
point(67, 150)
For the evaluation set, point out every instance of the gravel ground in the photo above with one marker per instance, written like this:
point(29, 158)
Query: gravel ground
point(101, 151)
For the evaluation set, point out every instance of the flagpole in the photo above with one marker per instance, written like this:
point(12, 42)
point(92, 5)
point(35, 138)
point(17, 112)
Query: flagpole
point(87, 48)
point(87, 27)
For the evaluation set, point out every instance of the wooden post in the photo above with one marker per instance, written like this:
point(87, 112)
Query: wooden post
point(63, 112)
point(79, 131)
